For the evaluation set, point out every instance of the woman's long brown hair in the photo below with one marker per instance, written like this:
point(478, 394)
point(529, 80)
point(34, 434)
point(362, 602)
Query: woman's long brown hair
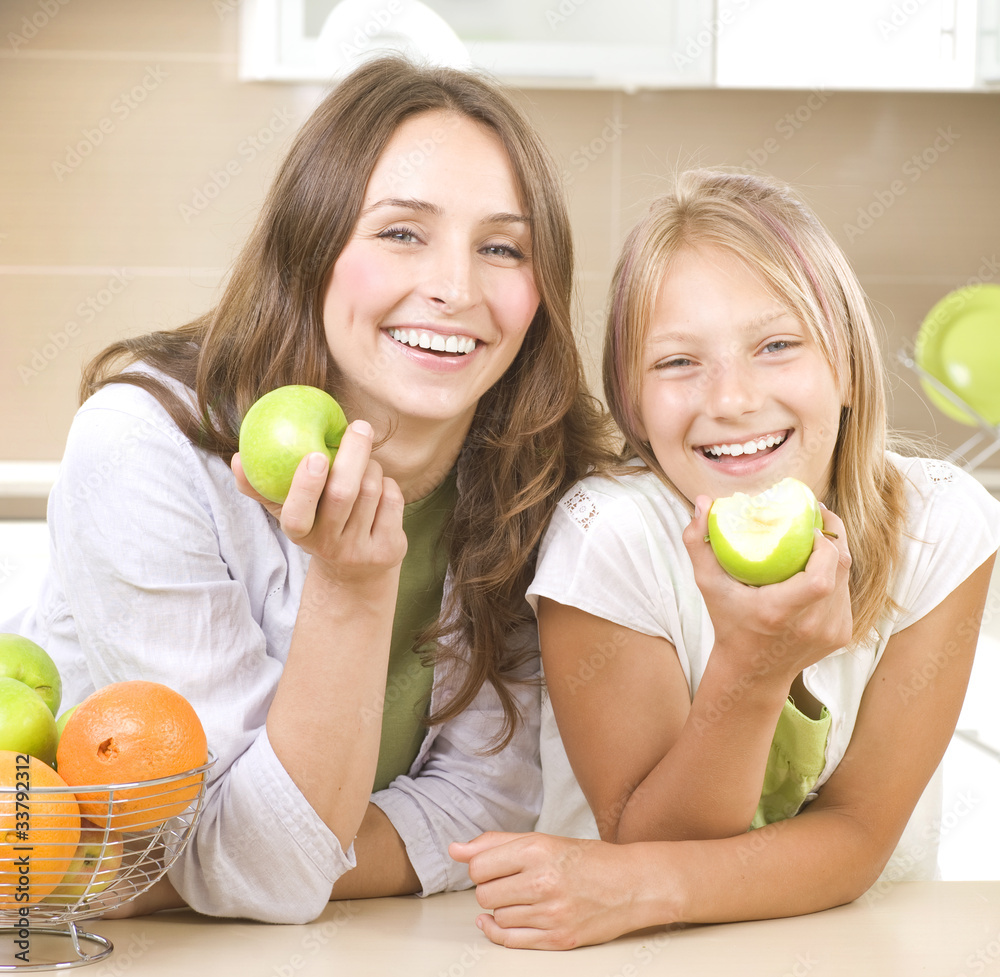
point(535, 431)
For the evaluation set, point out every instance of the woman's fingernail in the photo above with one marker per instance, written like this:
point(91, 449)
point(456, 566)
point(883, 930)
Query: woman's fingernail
point(697, 511)
point(317, 464)
point(361, 427)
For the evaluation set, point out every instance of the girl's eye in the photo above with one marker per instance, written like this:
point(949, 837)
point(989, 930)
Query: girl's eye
point(780, 345)
point(402, 234)
point(508, 251)
point(674, 363)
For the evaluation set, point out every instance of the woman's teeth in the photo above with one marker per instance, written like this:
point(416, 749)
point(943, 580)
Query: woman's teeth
point(747, 448)
point(433, 340)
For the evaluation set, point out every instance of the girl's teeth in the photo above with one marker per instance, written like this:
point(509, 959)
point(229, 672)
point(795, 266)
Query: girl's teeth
point(747, 448)
point(434, 341)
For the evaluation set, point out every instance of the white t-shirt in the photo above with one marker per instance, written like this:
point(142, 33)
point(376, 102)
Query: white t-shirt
point(614, 550)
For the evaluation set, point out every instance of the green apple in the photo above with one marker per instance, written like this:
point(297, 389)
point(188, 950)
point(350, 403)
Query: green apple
point(63, 719)
point(281, 428)
point(766, 538)
point(30, 663)
point(26, 724)
point(94, 867)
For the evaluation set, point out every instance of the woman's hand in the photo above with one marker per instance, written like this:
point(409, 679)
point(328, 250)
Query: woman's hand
point(551, 893)
point(780, 629)
point(347, 516)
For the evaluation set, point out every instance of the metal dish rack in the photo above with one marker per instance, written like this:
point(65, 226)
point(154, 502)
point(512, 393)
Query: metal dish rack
point(985, 431)
point(122, 864)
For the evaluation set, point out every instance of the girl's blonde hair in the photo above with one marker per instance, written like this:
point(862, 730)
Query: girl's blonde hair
point(535, 432)
point(764, 224)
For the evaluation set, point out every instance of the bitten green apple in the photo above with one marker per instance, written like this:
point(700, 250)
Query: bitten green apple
point(281, 428)
point(30, 663)
point(766, 538)
point(94, 867)
point(26, 724)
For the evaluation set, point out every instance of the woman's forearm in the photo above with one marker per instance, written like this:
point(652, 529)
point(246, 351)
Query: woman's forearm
point(325, 721)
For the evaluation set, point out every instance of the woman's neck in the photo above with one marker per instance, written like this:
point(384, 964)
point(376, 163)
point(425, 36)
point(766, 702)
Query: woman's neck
point(418, 455)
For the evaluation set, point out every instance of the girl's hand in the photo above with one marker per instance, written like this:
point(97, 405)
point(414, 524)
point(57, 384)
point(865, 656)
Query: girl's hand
point(347, 516)
point(781, 628)
point(551, 893)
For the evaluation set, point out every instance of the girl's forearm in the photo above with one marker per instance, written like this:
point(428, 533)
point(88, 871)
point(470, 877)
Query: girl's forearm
point(812, 862)
point(709, 782)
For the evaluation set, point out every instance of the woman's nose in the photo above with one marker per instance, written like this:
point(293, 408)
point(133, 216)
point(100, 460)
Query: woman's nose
point(451, 280)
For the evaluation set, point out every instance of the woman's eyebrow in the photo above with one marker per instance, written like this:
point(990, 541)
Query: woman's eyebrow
point(408, 203)
point(504, 218)
point(425, 206)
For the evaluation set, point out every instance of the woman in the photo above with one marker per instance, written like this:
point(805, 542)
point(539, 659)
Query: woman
point(412, 258)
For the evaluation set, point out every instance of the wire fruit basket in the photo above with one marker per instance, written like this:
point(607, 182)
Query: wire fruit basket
point(71, 854)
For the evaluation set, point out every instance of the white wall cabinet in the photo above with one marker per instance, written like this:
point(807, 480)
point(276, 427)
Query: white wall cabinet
point(849, 44)
point(919, 45)
point(546, 43)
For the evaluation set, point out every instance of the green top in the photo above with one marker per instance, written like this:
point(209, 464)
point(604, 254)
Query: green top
point(794, 763)
point(421, 588)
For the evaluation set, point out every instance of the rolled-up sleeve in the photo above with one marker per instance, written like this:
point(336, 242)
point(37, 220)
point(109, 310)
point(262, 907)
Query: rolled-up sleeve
point(457, 790)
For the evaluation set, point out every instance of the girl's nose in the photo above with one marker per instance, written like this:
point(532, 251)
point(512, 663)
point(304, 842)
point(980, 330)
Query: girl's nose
point(732, 389)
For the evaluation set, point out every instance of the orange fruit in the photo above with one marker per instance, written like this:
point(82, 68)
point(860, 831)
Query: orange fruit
point(128, 732)
point(39, 831)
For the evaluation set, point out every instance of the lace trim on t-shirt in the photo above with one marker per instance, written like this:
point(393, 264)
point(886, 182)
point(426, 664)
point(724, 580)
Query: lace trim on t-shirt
point(581, 508)
point(939, 471)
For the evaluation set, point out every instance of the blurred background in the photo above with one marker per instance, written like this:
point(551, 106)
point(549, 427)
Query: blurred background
point(139, 139)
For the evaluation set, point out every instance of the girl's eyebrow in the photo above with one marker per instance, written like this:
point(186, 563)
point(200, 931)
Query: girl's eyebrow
point(425, 206)
point(685, 336)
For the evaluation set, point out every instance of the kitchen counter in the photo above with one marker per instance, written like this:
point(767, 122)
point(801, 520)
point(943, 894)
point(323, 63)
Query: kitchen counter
point(942, 929)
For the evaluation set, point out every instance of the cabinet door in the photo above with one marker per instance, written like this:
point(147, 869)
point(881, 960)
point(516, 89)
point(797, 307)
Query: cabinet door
point(556, 43)
point(847, 44)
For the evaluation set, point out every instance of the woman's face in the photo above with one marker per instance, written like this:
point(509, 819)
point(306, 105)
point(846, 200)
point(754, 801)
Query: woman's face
point(735, 393)
point(430, 300)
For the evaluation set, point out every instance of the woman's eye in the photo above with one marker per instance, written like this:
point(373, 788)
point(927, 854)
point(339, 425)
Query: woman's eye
point(508, 251)
point(401, 234)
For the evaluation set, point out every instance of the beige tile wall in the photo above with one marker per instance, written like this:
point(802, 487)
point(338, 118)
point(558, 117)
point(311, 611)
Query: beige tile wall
point(132, 162)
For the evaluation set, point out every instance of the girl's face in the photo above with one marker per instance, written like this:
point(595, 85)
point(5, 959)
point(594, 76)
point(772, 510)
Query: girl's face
point(430, 300)
point(735, 394)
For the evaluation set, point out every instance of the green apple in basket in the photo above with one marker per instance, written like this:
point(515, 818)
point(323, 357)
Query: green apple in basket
point(95, 865)
point(29, 663)
point(26, 724)
point(766, 538)
point(281, 428)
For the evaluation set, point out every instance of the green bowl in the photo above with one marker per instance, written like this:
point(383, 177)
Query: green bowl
point(959, 345)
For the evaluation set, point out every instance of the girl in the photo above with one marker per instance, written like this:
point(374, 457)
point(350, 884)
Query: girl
point(361, 655)
point(692, 707)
